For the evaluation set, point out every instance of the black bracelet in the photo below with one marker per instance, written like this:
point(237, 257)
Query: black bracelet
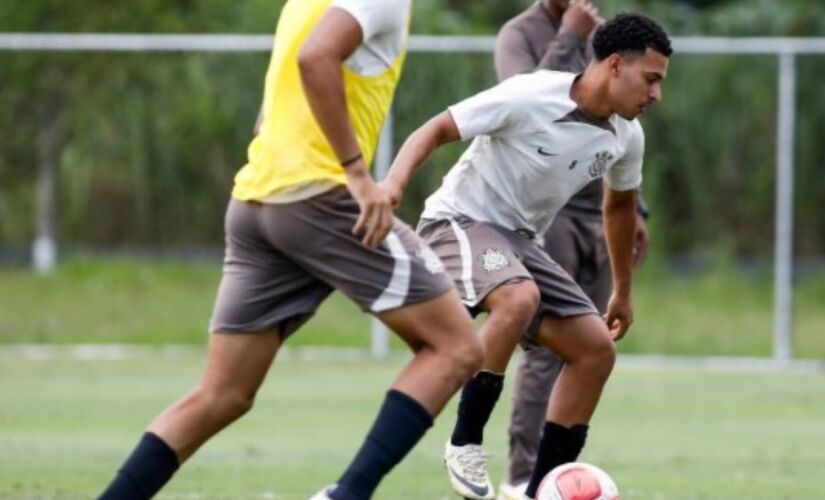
point(351, 160)
point(643, 211)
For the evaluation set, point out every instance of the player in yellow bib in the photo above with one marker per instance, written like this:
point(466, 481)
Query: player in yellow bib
point(306, 218)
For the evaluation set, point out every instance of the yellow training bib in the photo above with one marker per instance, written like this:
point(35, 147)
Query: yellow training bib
point(290, 149)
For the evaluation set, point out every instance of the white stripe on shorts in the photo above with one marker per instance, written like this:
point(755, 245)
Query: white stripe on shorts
point(396, 291)
point(466, 264)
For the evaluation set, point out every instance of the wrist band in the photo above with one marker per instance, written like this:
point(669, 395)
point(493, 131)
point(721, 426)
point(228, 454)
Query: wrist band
point(642, 210)
point(351, 160)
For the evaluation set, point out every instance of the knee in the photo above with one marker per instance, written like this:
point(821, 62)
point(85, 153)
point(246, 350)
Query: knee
point(515, 303)
point(467, 356)
point(226, 403)
point(602, 354)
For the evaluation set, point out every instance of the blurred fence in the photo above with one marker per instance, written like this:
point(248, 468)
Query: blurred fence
point(787, 50)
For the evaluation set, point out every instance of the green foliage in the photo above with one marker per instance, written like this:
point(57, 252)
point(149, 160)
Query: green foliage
point(150, 142)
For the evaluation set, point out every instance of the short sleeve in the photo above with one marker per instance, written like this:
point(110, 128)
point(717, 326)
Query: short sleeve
point(376, 17)
point(500, 110)
point(626, 174)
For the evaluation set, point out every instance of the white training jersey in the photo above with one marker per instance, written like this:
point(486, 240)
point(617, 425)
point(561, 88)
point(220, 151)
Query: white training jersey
point(384, 24)
point(533, 150)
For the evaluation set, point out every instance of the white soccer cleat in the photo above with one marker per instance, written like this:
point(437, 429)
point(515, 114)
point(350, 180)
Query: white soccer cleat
point(467, 468)
point(507, 491)
point(324, 493)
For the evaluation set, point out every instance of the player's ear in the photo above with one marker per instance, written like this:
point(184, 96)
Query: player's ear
point(614, 63)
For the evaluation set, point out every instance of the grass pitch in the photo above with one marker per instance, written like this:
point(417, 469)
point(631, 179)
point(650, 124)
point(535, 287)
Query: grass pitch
point(65, 426)
point(722, 313)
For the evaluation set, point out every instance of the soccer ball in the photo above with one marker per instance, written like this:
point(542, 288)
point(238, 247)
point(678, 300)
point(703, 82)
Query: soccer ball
point(577, 481)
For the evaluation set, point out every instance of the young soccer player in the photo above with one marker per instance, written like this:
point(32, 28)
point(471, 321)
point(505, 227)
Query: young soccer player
point(537, 140)
point(306, 218)
point(556, 35)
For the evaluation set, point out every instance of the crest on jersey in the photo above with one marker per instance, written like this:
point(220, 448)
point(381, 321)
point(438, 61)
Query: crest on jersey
point(599, 165)
point(493, 259)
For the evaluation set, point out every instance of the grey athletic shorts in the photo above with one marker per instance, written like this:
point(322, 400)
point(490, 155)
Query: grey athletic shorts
point(577, 243)
point(481, 257)
point(283, 260)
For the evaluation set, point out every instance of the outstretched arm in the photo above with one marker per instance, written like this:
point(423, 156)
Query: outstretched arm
point(620, 229)
point(441, 129)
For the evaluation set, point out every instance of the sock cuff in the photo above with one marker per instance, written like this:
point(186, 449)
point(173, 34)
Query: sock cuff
point(160, 450)
point(410, 407)
point(489, 379)
point(566, 437)
point(579, 431)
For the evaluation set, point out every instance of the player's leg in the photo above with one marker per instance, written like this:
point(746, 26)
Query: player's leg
point(441, 334)
point(510, 308)
point(569, 325)
point(403, 283)
point(584, 343)
point(484, 262)
point(235, 367)
point(537, 372)
point(446, 350)
point(263, 297)
point(236, 364)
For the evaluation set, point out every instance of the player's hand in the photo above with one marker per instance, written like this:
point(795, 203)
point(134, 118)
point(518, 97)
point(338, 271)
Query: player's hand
point(640, 241)
point(393, 190)
point(619, 315)
point(376, 218)
point(581, 17)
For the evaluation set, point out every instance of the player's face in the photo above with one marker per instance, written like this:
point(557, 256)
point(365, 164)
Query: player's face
point(637, 82)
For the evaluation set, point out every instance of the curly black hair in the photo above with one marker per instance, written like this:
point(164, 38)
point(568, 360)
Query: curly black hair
point(630, 33)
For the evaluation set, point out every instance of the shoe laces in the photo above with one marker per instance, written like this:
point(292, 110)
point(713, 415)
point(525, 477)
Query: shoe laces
point(473, 461)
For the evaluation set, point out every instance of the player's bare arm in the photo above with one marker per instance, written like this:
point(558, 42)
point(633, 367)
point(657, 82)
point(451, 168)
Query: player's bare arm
point(620, 230)
point(336, 37)
point(441, 129)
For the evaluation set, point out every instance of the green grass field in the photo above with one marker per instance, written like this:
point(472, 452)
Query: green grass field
point(66, 425)
point(151, 302)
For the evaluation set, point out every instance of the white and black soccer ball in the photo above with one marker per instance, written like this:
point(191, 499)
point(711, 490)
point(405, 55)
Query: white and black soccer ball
point(577, 481)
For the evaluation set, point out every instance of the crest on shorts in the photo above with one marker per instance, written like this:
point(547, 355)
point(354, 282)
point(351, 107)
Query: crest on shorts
point(599, 165)
point(493, 259)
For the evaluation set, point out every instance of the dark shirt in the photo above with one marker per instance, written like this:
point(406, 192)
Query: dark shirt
point(532, 41)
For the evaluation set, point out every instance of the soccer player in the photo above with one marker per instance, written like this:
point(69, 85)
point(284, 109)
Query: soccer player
point(539, 138)
point(305, 218)
point(556, 35)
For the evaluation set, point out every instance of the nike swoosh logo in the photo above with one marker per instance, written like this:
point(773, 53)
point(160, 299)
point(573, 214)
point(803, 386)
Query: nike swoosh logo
point(478, 490)
point(544, 152)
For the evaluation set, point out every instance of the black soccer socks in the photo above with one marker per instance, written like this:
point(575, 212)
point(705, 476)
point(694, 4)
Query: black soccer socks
point(148, 468)
point(400, 424)
point(478, 398)
point(558, 445)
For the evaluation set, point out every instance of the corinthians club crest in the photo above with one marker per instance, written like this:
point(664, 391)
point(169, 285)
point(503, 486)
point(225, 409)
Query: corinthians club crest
point(599, 165)
point(493, 259)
